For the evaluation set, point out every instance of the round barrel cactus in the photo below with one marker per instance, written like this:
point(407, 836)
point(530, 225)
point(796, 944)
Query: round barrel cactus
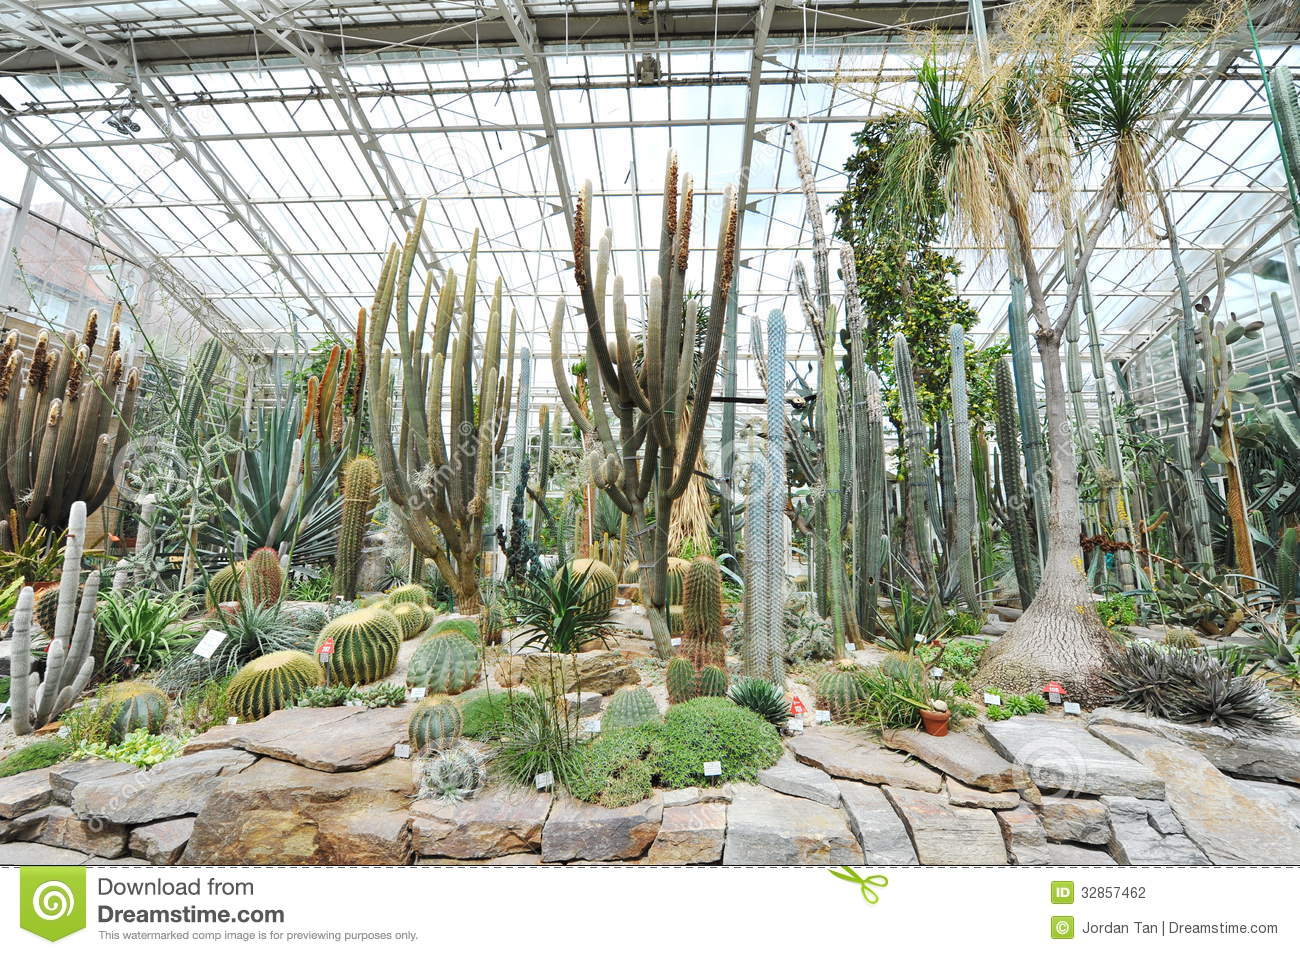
point(46, 610)
point(630, 706)
point(272, 682)
point(134, 705)
point(444, 663)
point(434, 727)
point(681, 680)
point(223, 586)
point(601, 583)
point(409, 616)
point(263, 578)
point(712, 681)
point(840, 691)
point(365, 646)
point(409, 594)
point(462, 626)
point(453, 775)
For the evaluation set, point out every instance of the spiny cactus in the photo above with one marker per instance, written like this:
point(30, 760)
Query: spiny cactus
point(465, 627)
point(445, 663)
point(1023, 548)
point(629, 706)
point(409, 593)
point(198, 382)
point(434, 727)
point(272, 682)
point(1286, 571)
point(702, 641)
point(452, 776)
point(360, 481)
point(46, 609)
point(1287, 110)
point(134, 705)
point(676, 618)
point(600, 583)
point(840, 691)
point(263, 578)
point(681, 679)
point(918, 466)
point(224, 586)
point(410, 616)
point(712, 681)
point(365, 646)
point(962, 474)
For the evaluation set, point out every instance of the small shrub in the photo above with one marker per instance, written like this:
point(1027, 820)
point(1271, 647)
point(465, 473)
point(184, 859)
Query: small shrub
point(616, 769)
point(323, 696)
point(139, 748)
point(965, 624)
point(959, 658)
point(485, 711)
point(537, 737)
point(1117, 611)
point(205, 705)
point(713, 729)
point(38, 755)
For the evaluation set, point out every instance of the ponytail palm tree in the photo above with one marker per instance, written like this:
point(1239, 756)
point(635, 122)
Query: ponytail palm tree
point(1063, 95)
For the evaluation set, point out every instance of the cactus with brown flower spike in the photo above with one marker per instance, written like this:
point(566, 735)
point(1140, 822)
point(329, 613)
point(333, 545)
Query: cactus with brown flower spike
point(63, 419)
point(655, 450)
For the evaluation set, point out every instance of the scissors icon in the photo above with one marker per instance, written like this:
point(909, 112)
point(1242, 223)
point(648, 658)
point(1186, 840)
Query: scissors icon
point(865, 883)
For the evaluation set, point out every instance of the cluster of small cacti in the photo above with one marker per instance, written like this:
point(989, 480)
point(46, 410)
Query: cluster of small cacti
point(702, 641)
point(272, 682)
point(686, 682)
point(629, 706)
point(134, 705)
point(600, 584)
point(445, 663)
point(365, 644)
point(434, 727)
point(360, 483)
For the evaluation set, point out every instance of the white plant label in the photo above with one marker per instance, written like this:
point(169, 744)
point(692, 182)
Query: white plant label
point(676, 641)
point(936, 672)
point(822, 716)
point(851, 647)
point(208, 645)
point(402, 750)
point(794, 725)
point(1073, 709)
point(713, 769)
point(1054, 699)
point(232, 720)
point(622, 601)
point(419, 692)
point(992, 699)
point(921, 638)
point(544, 780)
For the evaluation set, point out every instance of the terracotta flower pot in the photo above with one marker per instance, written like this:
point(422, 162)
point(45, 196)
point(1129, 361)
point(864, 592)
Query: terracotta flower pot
point(935, 723)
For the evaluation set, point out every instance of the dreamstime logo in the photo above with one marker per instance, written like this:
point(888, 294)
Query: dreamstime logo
point(867, 884)
point(51, 900)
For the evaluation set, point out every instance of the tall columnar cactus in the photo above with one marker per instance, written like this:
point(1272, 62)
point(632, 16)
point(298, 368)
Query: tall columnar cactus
point(62, 424)
point(682, 680)
point(272, 682)
point(764, 644)
point(702, 641)
point(199, 377)
point(437, 479)
point(69, 664)
point(1286, 571)
point(360, 484)
point(444, 663)
point(434, 727)
point(662, 407)
point(918, 465)
point(1022, 367)
point(1023, 553)
point(543, 467)
point(963, 475)
point(1286, 112)
point(1202, 531)
point(263, 579)
point(365, 644)
point(866, 459)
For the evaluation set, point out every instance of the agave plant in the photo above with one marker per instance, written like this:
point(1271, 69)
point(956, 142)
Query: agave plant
point(141, 630)
point(556, 615)
point(913, 618)
point(764, 698)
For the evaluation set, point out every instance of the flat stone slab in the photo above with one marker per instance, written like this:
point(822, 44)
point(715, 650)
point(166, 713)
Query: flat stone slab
point(960, 795)
point(945, 834)
point(1075, 820)
point(690, 835)
point(1276, 755)
point(578, 830)
point(1064, 758)
point(967, 758)
point(278, 813)
point(66, 777)
point(24, 792)
point(178, 787)
point(503, 820)
point(1065, 854)
point(33, 853)
point(847, 754)
point(216, 737)
point(793, 778)
point(1286, 798)
point(1135, 840)
point(332, 739)
point(58, 826)
point(770, 828)
point(583, 703)
point(162, 843)
point(1023, 833)
point(876, 825)
point(1228, 825)
point(522, 858)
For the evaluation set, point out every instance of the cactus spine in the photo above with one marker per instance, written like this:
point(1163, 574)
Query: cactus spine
point(681, 679)
point(360, 482)
point(962, 474)
point(702, 641)
point(1022, 545)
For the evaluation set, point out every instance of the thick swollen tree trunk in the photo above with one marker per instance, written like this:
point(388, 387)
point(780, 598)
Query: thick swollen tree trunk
point(1059, 637)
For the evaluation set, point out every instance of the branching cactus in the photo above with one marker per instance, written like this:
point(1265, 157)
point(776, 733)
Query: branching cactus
point(62, 423)
point(437, 479)
point(360, 482)
point(69, 664)
point(655, 449)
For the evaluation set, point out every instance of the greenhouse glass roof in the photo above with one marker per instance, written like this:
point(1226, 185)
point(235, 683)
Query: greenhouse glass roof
point(257, 158)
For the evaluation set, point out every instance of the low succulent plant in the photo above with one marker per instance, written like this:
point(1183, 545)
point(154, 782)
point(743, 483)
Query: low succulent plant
point(764, 698)
point(454, 775)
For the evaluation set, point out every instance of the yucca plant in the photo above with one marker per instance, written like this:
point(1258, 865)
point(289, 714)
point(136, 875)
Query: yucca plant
point(536, 737)
point(912, 618)
point(1189, 686)
point(556, 614)
point(141, 629)
point(31, 558)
